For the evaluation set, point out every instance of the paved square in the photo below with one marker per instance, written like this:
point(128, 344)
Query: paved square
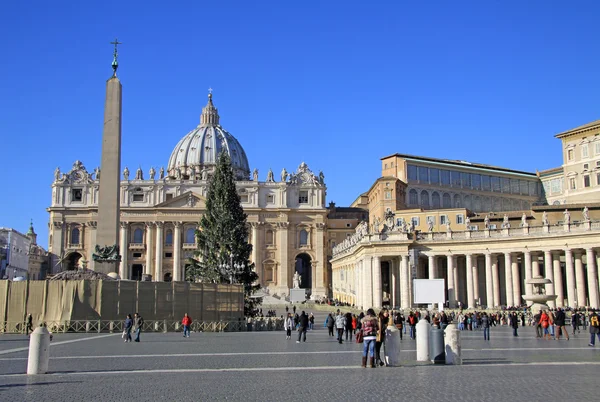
point(265, 366)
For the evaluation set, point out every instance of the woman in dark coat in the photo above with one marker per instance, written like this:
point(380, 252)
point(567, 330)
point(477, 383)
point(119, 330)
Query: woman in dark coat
point(514, 323)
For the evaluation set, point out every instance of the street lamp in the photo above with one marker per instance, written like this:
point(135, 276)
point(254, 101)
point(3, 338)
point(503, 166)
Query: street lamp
point(231, 269)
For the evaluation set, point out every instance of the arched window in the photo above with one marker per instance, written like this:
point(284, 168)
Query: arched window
point(75, 236)
point(467, 201)
point(303, 237)
point(457, 201)
point(446, 201)
point(269, 238)
point(138, 236)
point(424, 199)
point(190, 236)
point(169, 238)
point(435, 200)
point(476, 204)
point(413, 197)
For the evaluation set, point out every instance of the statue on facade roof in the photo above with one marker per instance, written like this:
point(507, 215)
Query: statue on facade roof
point(505, 224)
point(467, 222)
point(376, 225)
point(448, 228)
point(270, 175)
point(126, 174)
point(430, 225)
point(97, 173)
point(255, 174)
point(152, 172)
point(545, 219)
point(284, 175)
point(567, 216)
point(321, 177)
point(161, 173)
point(193, 172)
point(586, 214)
point(524, 220)
point(139, 175)
point(486, 222)
point(57, 174)
point(204, 174)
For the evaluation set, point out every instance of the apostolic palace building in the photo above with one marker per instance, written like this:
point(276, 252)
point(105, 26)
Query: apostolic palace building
point(486, 230)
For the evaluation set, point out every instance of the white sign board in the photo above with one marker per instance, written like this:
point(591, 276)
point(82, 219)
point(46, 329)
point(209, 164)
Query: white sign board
point(429, 291)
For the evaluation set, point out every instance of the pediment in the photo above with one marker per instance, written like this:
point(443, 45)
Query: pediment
point(186, 200)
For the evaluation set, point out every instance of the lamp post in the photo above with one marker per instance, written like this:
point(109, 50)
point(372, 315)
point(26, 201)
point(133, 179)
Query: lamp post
point(231, 268)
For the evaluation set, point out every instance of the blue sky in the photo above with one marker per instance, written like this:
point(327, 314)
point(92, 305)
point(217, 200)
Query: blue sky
point(337, 84)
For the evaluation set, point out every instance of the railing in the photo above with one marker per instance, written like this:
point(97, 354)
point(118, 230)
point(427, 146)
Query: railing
point(101, 326)
point(137, 246)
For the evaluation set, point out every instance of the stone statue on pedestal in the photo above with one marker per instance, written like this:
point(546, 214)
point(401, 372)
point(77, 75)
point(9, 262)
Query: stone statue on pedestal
point(152, 173)
point(430, 225)
point(486, 222)
point(139, 175)
point(297, 279)
point(505, 224)
point(57, 174)
point(193, 173)
point(284, 175)
point(524, 220)
point(586, 214)
point(97, 173)
point(270, 175)
point(567, 216)
point(126, 174)
point(255, 175)
point(204, 174)
point(545, 219)
point(161, 173)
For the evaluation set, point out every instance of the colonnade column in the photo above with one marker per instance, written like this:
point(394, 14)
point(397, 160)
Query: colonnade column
point(516, 282)
point(470, 289)
point(124, 243)
point(283, 245)
point(404, 282)
point(580, 280)
point(451, 285)
point(592, 275)
point(177, 277)
point(548, 270)
point(393, 279)
point(357, 294)
point(159, 251)
point(489, 286)
point(432, 267)
point(570, 277)
point(377, 291)
point(508, 279)
point(535, 266)
point(528, 272)
point(475, 270)
point(149, 248)
point(558, 280)
point(496, 280)
point(368, 281)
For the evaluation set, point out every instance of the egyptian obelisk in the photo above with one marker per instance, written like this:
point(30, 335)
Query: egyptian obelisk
point(107, 256)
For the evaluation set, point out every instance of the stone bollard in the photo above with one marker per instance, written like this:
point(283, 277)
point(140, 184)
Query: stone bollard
point(392, 346)
point(423, 329)
point(436, 345)
point(39, 351)
point(452, 345)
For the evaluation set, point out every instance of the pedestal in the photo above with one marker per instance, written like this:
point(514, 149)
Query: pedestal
point(297, 295)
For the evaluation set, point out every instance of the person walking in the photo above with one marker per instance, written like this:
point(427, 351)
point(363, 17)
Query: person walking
point(311, 322)
point(302, 326)
point(348, 326)
point(186, 322)
point(399, 322)
point(29, 324)
point(514, 323)
point(412, 322)
point(594, 327)
point(383, 320)
point(138, 323)
point(545, 324)
point(559, 322)
point(128, 326)
point(330, 322)
point(288, 324)
point(485, 325)
point(369, 328)
point(575, 322)
point(340, 324)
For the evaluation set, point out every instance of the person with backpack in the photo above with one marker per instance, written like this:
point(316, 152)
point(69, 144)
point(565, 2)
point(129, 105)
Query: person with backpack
point(594, 327)
point(369, 329)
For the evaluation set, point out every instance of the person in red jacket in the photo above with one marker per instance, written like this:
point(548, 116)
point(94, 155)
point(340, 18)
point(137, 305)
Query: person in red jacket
point(186, 322)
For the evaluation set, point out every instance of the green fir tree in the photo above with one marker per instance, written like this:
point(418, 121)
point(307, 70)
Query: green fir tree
point(223, 254)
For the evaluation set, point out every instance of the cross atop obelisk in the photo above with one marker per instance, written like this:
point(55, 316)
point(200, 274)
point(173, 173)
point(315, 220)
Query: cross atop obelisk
point(107, 253)
point(115, 63)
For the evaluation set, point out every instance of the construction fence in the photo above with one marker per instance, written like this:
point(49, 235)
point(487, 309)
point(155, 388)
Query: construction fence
point(106, 301)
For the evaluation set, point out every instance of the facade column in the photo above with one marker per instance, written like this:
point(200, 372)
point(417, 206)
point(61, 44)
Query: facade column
point(357, 294)
point(470, 289)
point(475, 270)
point(123, 267)
point(580, 280)
point(404, 282)
point(159, 252)
point(489, 285)
point(283, 246)
point(558, 280)
point(177, 277)
point(528, 272)
point(368, 281)
point(592, 275)
point(451, 284)
point(457, 281)
point(377, 290)
point(432, 267)
point(549, 272)
point(535, 266)
point(320, 288)
point(570, 276)
point(516, 278)
point(149, 248)
point(393, 279)
point(496, 280)
point(508, 279)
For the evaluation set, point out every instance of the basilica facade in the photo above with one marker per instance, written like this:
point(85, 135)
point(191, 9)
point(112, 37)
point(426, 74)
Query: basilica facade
point(161, 208)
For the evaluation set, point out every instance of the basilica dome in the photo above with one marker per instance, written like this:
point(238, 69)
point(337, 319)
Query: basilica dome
point(195, 155)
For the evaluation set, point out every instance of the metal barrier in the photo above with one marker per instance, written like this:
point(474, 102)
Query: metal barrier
point(110, 326)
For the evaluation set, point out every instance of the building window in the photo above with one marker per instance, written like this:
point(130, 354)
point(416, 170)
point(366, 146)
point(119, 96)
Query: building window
point(485, 183)
point(572, 184)
point(598, 179)
point(138, 195)
point(269, 273)
point(399, 222)
point(388, 195)
point(244, 198)
point(168, 255)
point(446, 201)
point(430, 219)
point(137, 255)
point(190, 236)
point(412, 174)
point(586, 180)
point(476, 181)
point(423, 175)
point(138, 236)
point(586, 166)
point(597, 148)
point(473, 228)
point(168, 197)
point(169, 238)
point(270, 198)
point(505, 185)
point(413, 197)
point(75, 236)
point(455, 177)
point(76, 195)
point(496, 184)
point(414, 221)
point(465, 180)
point(424, 199)
point(585, 151)
point(460, 219)
point(435, 200)
point(570, 154)
point(492, 227)
point(457, 203)
point(445, 177)
point(434, 176)
point(303, 197)
point(269, 238)
point(303, 237)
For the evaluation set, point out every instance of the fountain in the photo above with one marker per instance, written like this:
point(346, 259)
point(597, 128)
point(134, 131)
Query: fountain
point(539, 298)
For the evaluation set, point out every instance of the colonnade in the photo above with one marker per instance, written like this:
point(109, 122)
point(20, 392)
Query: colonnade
point(488, 279)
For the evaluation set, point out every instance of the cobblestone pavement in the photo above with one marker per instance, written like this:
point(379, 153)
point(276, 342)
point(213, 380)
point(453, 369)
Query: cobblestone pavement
point(265, 366)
